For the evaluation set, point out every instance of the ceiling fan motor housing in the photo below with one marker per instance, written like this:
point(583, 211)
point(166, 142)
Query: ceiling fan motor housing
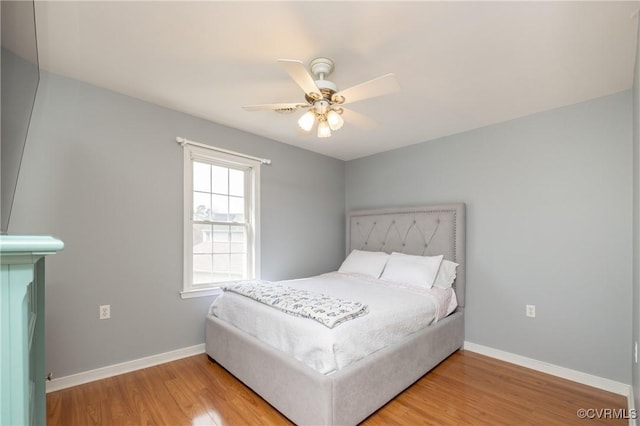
point(321, 68)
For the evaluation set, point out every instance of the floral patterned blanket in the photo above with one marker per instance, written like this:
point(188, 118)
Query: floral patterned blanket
point(329, 311)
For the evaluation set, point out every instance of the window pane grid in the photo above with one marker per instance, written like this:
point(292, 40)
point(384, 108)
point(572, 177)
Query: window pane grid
point(220, 232)
point(218, 193)
point(219, 228)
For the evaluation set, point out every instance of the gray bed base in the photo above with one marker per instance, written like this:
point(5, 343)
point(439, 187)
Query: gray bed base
point(351, 394)
point(346, 397)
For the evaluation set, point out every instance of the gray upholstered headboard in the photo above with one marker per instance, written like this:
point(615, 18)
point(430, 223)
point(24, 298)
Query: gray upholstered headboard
point(427, 230)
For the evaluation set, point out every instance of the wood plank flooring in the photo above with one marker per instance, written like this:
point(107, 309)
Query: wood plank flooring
point(467, 388)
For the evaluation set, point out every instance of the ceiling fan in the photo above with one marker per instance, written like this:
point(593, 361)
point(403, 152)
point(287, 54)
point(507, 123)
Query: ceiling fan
point(324, 103)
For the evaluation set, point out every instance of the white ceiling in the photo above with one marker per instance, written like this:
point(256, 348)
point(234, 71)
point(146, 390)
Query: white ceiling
point(460, 65)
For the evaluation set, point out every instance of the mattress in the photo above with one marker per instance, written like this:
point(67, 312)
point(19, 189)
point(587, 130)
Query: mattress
point(393, 313)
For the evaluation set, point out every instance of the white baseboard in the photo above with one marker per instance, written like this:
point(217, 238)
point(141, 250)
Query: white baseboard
point(554, 370)
point(125, 367)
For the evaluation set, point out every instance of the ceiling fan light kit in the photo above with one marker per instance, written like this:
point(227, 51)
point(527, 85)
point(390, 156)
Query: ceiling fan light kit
point(323, 101)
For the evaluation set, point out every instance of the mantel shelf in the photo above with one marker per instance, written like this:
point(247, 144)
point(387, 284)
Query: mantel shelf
point(29, 244)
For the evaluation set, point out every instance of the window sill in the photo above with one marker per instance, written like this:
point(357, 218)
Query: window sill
point(190, 294)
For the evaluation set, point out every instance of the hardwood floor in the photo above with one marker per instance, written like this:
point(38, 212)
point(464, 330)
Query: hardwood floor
point(467, 388)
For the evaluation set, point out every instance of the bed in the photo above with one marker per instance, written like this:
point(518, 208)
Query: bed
point(351, 393)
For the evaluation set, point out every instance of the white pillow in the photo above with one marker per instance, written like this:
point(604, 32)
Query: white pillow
point(446, 274)
point(369, 263)
point(417, 271)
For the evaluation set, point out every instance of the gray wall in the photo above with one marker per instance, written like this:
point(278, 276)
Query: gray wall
point(636, 224)
point(549, 223)
point(102, 172)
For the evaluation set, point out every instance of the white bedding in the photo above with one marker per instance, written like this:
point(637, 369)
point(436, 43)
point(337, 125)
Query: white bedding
point(394, 312)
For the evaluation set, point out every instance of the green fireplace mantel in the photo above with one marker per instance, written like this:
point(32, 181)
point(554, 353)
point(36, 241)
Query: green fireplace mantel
point(22, 344)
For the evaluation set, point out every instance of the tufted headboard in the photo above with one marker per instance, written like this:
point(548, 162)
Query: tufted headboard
point(424, 231)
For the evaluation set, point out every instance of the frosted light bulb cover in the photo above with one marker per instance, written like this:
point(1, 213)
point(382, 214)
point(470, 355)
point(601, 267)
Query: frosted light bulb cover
point(307, 121)
point(335, 120)
point(324, 131)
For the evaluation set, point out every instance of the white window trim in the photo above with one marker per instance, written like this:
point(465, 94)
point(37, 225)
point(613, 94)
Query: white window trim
point(210, 154)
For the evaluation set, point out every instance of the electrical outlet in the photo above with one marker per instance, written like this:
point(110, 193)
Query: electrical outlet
point(531, 311)
point(105, 311)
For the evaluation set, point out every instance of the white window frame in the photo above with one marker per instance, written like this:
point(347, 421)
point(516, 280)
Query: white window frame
point(203, 153)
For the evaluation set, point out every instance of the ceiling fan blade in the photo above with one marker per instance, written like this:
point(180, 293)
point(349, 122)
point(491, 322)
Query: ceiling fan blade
point(359, 120)
point(300, 75)
point(274, 107)
point(370, 89)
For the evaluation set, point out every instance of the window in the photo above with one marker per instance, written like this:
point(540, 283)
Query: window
point(221, 216)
